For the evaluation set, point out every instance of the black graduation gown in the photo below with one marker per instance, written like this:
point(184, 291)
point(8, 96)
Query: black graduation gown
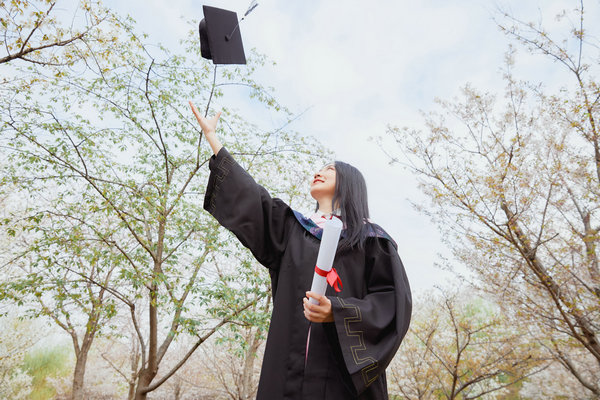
point(346, 358)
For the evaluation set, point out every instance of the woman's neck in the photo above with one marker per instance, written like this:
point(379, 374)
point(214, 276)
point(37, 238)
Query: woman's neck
point(325, 206)
point(325, 210)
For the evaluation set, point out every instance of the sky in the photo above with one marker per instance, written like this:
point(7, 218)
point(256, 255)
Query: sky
point(355, 67)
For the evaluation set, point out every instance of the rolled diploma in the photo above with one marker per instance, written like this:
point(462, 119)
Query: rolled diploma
point(329, 242)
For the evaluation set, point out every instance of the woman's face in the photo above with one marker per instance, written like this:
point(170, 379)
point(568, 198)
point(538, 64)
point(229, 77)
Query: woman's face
point(323, 184)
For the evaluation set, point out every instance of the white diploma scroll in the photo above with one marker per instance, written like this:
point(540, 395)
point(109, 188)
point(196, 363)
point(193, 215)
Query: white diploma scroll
point(329, 241)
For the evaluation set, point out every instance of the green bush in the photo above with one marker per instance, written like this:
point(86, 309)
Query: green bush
point(43, 363)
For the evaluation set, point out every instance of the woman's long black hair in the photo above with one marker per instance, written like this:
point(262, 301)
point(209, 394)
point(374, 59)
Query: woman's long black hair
point(351, 199)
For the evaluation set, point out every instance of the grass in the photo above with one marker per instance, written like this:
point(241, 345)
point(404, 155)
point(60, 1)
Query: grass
point(45, 363)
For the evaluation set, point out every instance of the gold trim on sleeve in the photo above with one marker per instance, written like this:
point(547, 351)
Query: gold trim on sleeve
point(359, 335)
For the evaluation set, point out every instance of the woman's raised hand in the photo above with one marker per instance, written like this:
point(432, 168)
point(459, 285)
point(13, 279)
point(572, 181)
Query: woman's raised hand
point(209, 126)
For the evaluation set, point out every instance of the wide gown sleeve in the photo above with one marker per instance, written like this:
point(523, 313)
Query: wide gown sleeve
point(246, 208)
point(370, 329)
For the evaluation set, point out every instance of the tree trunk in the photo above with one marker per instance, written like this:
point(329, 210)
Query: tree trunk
point(131, 394)
point(248, 372)
point(77, 392)
point(149, 371)
point(135, 360)
point(146, 377)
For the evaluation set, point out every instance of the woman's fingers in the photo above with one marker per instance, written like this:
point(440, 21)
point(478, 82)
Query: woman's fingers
point(195, 111)
point(321, 312)
point(320, 298)
point(316, 312)
point(199, 117)
point(314, 308)
point(215, 119)
point(310, 310)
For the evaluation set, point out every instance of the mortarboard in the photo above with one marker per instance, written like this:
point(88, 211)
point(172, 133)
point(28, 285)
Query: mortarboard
point(220, 37)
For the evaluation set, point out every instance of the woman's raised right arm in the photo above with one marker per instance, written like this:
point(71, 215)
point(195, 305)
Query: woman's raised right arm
point(260, 222)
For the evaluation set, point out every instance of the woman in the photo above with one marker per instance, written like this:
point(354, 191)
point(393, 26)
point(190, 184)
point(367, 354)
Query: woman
point(354, 333)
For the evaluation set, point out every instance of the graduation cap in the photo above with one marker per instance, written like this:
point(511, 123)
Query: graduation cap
point(220, 37)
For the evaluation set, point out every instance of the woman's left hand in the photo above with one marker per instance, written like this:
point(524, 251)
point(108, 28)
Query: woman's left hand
point(317, 312)
point(208, 125)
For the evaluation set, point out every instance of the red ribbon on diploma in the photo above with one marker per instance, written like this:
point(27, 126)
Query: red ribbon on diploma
point(332, 278)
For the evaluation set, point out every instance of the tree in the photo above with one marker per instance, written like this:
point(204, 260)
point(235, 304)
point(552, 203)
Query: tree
point(110, 149)
point(515, 185)
point(57, 271)
point(34, 35)
point(235, 358)
point(16, 338)
point(35, 32)
point(461, 348)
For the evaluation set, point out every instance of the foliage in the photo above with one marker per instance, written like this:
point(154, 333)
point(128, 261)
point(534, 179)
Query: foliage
point(53, 257)
point(34, 31)
point(236, 358)
point(514, 182)
point(460, 348)
point(111, 162)
point(16, 337)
